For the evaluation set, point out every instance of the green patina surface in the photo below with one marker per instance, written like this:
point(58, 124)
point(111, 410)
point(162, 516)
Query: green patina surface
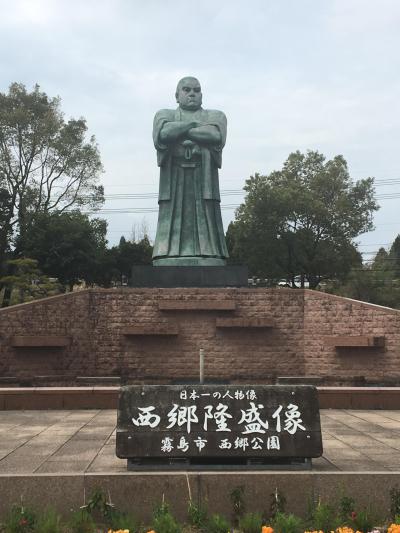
point(189, 142)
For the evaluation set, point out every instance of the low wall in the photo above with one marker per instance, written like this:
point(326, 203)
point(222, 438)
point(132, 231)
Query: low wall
point(30, 398)
point(327, 317)
point(148, 336)
point(141, 493)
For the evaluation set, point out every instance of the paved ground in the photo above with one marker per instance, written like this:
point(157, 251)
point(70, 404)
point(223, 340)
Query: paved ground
point(84, 441)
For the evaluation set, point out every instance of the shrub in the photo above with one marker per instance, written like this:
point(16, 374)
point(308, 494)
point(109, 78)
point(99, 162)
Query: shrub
point(278, 503)
point(287, 523)
point(394, 502)
point(48, 522)
point(346, 509)
point(197, 515)
point(19, 520)
point(217, 524)
point(238, 504)
point(364, 520)
point(164, 522)
point(124, 521)
point(82, 522)
point(251, 523)
point(324, 518)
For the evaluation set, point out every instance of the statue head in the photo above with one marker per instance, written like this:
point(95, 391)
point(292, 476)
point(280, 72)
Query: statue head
point(188, 93)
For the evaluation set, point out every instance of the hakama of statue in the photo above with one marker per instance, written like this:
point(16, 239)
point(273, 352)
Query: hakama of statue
point(189, 143)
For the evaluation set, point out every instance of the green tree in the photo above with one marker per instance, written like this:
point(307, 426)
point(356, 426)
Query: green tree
point(68, 245)
point(46, 163)
point(381, 259)
point(394, 256)
point(301, 220)
point(129, 253)
point(5, 232)
point(377, 282)
point(28, 282)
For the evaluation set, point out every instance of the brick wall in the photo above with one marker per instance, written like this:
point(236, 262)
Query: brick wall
point(327, 315)
point(98, 321)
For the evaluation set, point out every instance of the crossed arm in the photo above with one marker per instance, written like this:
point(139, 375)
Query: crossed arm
point(194, 131)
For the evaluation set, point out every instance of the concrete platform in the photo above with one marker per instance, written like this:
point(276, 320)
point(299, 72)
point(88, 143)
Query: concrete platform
point(57, 457)
point(83, 441)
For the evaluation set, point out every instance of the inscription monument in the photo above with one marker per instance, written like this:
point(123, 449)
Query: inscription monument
point(239, 425)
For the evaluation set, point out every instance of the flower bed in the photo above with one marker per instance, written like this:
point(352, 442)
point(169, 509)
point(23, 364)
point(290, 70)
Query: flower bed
point(100, 515)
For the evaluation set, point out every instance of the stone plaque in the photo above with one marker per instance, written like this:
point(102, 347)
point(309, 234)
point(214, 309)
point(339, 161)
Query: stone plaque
point(218, 421)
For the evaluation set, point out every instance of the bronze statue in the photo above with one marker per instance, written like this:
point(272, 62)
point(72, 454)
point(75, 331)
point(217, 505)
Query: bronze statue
point(189, 142)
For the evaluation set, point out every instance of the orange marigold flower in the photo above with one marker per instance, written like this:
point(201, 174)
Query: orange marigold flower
point(267, 529)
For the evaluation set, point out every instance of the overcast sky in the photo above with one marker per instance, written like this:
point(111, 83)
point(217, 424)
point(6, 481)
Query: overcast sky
point(289, 74)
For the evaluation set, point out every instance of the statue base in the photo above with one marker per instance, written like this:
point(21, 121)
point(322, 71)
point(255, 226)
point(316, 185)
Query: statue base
point(189, 261)
point(189, 276)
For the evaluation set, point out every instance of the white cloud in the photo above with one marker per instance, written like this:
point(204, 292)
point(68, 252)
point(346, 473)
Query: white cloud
point(364, 17)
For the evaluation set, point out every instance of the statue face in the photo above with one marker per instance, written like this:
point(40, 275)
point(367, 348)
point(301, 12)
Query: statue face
point(188, 94)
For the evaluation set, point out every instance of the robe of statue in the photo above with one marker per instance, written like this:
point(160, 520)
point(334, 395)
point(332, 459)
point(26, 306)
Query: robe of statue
point(189, 230)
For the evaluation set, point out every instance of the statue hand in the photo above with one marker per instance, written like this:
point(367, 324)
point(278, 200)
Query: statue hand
point(193, 125)
point(188, 143)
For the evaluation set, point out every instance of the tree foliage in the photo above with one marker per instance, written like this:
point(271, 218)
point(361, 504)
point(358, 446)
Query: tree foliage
point(126, 254)
point(69, 246)
point(394, 257)
point(28, 282)
point(130, 253)
point(301, 220)
point(377, 282)
point(5, 230)
point(46, 163)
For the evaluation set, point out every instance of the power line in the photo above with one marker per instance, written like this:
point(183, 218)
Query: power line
point(237, 192)
point(232, 192)
point(155, 209)
point(127, 210)
point(377, 182)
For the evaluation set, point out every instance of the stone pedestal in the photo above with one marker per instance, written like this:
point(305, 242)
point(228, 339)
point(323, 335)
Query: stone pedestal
point(189, 276)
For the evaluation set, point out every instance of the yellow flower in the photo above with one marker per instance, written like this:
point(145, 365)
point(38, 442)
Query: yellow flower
point(344, 529)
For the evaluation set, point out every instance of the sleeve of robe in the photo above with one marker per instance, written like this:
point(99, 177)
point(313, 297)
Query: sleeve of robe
point(217, 119)
point(212, 156)
point(163, 159)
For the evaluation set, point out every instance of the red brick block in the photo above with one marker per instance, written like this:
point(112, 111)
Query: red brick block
point(197, 305)
point(355, 340)
point(151, 329)
point(245, 323)
point(40, 341)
